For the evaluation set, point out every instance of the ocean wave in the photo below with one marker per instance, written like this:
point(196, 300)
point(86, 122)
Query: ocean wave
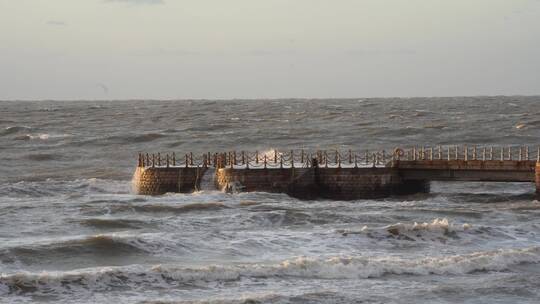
point(133, 138)
point(338, 267)
point(100, 245)
point(112, 223)
point(43, 157)
point(433, 230)
point(14, 129)
point(53, 187)
point(41, 136)
point(261, 297)
point(168, 208)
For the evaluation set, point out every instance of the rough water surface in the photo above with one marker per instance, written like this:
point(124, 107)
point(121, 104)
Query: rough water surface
point(71, 231)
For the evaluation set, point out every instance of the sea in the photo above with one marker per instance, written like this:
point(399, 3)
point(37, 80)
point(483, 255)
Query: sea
point(73, 231)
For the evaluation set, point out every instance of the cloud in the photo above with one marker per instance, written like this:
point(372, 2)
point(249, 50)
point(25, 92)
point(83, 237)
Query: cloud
point(56, 23)
point(137, 2)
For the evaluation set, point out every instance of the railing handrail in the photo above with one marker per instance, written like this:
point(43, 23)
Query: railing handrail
point(335, 158)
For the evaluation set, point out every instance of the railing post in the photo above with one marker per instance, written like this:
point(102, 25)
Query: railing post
point(167, 160)
point(491, 153)
point(440, 153)
point(153, 160)
point(243, 158)
point(457, 153)
point(520, 153)
point(281, 161)
point(414, 153)
point(484, 154)
point(448, 152)
point(430, 153)
point(174, 159)
point(502, 153)
point(367, 157)
point(159, 159)
point(339, 159)
point(302, 156)
point(292, 158)
point(187, 160)
point(275, 156)
point(527, 153)
point(325, 159)
point(147, 160)
point(265, 160)
point(509, 153)
point(465, 152)
point(234, 157)
point(355, 161)
point(474, 152)
point(191, 158)
point(257, 157)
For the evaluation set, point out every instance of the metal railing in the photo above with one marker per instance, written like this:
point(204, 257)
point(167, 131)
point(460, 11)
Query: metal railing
point(336, 158)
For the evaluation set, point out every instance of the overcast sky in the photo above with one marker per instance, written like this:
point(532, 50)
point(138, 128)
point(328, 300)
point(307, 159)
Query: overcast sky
point(169, 49)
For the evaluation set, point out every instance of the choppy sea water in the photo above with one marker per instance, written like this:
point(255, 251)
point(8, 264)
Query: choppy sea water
point(71, 231)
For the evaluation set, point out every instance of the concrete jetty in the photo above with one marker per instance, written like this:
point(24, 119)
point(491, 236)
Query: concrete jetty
point(342, 175)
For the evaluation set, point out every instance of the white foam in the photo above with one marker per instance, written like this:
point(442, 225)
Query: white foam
point(435, 229)
point(208, 180)
point(46, 136)
point(338, 267)
point(343, 267)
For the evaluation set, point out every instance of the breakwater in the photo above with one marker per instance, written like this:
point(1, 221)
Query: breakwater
point(335, 174)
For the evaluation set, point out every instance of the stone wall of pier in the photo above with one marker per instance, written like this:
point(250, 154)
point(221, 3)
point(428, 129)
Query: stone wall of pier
point(298, 182)
point(305, 183)
point(330, 183)
point(155, 181)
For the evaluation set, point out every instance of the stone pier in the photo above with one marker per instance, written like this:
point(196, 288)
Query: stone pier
point(304, 183)
point(335, 175)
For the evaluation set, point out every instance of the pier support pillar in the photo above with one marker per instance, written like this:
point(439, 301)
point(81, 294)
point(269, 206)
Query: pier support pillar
point(537, 178)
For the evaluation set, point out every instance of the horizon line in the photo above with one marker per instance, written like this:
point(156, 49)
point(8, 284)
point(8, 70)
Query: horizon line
point(266, 98)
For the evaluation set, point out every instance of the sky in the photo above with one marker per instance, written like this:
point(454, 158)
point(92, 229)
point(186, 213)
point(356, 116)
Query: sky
point(217, 49)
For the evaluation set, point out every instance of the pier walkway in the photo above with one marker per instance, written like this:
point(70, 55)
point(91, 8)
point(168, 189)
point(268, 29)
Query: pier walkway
point(338, 174)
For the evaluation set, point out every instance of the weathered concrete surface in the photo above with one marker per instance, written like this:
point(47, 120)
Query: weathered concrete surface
point(472, 170)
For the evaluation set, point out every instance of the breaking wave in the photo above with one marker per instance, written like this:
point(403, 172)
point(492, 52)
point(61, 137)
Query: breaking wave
point(433, 230)
point(14, 129)
point(115, 244)
point(339, 267)
point(51, 187)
